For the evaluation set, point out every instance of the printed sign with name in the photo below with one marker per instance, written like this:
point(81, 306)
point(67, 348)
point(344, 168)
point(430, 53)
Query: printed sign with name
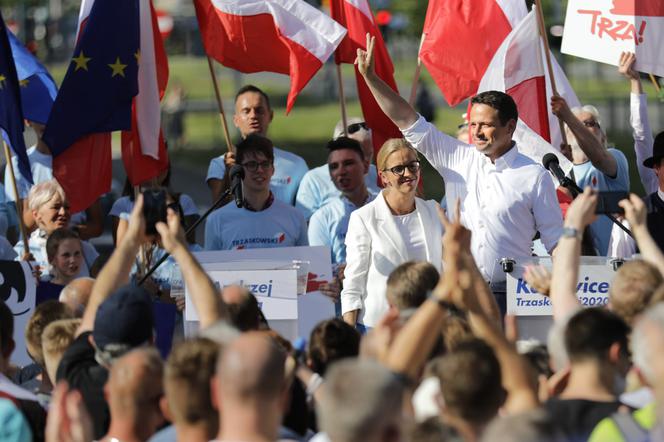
point(592, 289)
point(600, 30)
point(18, 290)
point(275, 290)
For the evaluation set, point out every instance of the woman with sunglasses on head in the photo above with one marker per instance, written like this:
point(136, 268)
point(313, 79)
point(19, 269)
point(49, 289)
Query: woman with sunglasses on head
point(394, 228)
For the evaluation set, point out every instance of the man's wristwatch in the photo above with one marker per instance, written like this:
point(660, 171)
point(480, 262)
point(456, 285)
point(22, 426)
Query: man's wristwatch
point(571, 232)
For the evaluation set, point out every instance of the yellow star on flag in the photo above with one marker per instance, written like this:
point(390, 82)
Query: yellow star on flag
point(118, 68)
point(24, 83)
point(137, 56)
point(81, 61)
point(2, 81)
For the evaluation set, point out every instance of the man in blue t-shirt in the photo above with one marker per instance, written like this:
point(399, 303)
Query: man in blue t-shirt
point(263, 221)
point(253, 115)
point(595, 165)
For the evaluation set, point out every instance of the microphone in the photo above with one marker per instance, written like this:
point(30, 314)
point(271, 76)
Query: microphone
point(237, 175)
point(551, 163)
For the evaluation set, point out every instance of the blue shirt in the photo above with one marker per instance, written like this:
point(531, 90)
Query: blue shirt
point(233, 228)
point(587, 175)
point(288, 172)
point(329, 224)
point(317, 189)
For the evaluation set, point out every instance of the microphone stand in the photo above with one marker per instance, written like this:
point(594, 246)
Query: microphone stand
point(188, 231)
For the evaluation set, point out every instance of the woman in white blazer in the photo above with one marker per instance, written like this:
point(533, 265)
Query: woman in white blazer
point(394, 228)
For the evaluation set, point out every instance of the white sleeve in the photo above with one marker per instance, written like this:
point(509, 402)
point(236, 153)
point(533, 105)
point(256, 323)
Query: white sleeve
point(643, 140)
point(547, 213)
point(621, 245)
point(358, 260)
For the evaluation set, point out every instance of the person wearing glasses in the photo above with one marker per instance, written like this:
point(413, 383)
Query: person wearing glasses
point(317, 187)
point(595, 164)
point(394, 228)
point(263, 221)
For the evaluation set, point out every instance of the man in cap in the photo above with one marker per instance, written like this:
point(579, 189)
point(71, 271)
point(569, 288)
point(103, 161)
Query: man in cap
point(655, 201)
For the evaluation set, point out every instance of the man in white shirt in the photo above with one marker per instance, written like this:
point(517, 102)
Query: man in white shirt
point(253, 115)
point(263, 221)
point(317, 186)
point(506, 197)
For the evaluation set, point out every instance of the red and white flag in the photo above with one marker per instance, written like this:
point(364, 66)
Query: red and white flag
point(517, 69)
point(357, 17)
point(460, 38)
point(285, 36)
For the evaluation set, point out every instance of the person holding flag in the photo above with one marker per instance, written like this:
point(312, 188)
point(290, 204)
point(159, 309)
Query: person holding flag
point(506, 198)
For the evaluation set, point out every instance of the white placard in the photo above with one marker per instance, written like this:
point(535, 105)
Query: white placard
point(592, 289)
point(275, 290)
point(18, 290)
point(601, 29)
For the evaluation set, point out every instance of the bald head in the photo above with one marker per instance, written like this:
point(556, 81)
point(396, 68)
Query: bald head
point(135, 381)
point(76, 294)
point(251, 367)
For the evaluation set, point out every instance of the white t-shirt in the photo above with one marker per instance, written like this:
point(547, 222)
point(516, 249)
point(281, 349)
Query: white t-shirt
point(124, 205)
point(233, 228)
point(413, 235)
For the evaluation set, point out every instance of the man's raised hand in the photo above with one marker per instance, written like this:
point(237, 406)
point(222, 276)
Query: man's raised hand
point(172, 236)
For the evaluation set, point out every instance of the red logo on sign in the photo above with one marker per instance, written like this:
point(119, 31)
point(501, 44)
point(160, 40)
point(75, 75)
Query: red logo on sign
point(643, 8)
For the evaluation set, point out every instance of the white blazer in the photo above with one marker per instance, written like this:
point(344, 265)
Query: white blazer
point(374, 248)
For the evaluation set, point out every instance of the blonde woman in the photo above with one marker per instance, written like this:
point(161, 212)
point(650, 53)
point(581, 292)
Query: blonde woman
point(394, 228)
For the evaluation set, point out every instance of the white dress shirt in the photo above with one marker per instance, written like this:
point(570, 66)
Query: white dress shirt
point(643, 140)
point(503, 204)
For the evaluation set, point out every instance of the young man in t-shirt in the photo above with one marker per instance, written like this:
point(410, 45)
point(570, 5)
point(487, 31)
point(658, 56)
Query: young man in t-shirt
point(263, 221)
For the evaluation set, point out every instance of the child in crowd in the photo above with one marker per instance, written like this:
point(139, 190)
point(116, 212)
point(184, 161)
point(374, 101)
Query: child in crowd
point(65, 257)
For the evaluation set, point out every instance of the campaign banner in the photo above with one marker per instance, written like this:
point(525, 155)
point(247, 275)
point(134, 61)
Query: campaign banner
point(592, 289)
point(18, 290)
point(600, 30)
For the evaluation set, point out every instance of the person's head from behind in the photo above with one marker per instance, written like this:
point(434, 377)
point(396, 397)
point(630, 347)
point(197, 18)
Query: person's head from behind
point(409, 284)
point(243, 311)
point(357, 130)
point(57, 337)
point(533, 425)
point(134, 391)
point(346, 163)
point(123, 321)
point(253, 113)
point(7, 343)
point(256, 155)
point(632, 288)
point(470, 384)
point(598, 336)
point(65, 254)
point(330, 341)
point(49, 206)
point(250, 379)
point(44, 314)
point(399, 166)
point(187, 375)
point(76, 294)
point(492, 120)
point(648, 346)
point(362, 402)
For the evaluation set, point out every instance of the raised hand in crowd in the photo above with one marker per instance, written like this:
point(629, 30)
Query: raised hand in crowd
point(68, 420)
point(626, 69)
point(636, 214)
point(539, 278)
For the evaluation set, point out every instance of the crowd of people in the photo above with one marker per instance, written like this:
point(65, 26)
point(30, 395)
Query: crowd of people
point(421, 347)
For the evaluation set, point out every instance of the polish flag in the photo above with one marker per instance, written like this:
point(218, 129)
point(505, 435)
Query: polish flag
point(289, 37)
point(517, 69)
point(357, 17)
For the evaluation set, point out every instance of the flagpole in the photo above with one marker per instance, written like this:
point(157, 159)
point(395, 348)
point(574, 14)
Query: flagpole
point(547, 55)
point(342, 100)
point(19, 206)
point(222, 115)
point(654, 82)
point(418, 72)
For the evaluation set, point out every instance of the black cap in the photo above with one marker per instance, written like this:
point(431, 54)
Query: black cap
point(125, 318)
point(657, 151)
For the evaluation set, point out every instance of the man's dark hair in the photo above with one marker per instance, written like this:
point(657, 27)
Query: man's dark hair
point(331, 340)
point(251, 88)
point(245, 315)
point(55, 238)
point(254, 144)
point(591, 332)
point(345, 143)
point(409, 284)
point(6, 327)
point(470, 382)
point(500, 101)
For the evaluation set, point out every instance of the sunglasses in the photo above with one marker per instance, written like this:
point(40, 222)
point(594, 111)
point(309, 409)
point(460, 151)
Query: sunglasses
point(252, 166)
point(591, 123)
point(400, 170)
point(352, 128)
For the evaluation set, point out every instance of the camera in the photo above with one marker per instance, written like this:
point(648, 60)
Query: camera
point(154, 209)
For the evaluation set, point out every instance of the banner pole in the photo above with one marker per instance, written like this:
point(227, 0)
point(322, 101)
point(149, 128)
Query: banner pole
point(416, 77)
point(222, 114)
point(342, 100)
point(547, 56)
point(654, 82)
point(19, 206)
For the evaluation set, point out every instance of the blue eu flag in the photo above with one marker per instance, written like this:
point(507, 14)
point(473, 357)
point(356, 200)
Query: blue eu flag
point(97, 91)
point(11, 117)
point(38, 90)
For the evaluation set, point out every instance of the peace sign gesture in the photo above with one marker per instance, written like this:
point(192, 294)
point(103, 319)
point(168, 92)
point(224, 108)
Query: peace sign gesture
point(365, 59)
